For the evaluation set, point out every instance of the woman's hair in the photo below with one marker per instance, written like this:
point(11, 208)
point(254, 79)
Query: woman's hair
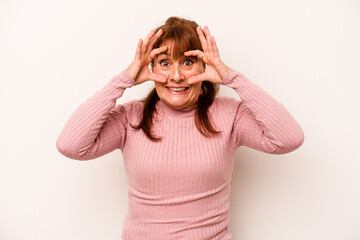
point(183, 33)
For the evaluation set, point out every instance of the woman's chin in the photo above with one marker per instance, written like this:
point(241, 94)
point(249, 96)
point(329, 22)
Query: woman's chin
point(176, 104)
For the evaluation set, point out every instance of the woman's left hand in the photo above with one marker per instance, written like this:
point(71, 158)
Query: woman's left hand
point(215, 69)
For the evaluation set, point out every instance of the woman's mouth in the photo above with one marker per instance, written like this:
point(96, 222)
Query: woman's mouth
point(178, 90)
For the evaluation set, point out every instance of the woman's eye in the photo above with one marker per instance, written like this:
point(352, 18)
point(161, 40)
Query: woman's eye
point(188, 62)
point(164, 63)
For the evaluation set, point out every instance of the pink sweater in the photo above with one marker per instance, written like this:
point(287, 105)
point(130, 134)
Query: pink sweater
point(179, 187)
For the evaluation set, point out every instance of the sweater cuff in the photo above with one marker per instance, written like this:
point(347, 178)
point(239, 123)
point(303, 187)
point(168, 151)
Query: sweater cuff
point(244, 87)
point(122, 80)
point(231, 75)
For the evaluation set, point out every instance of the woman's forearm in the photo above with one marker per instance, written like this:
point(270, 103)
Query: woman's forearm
point(262, 122)
point(80, 137)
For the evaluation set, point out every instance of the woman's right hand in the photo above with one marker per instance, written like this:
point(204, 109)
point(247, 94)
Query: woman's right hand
point(139, 68)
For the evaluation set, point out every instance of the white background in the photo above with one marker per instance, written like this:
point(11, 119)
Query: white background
point(55, 54)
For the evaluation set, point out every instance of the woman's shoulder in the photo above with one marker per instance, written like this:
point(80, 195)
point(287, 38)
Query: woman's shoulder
point(130, 110)
point(224, 110)
point(227, 104)
point(133, 106)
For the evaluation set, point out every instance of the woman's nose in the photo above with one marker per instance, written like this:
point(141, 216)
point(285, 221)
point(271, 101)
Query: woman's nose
point(176, 74)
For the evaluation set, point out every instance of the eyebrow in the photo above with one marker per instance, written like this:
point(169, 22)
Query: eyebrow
point(164, 53)
point(194, 58)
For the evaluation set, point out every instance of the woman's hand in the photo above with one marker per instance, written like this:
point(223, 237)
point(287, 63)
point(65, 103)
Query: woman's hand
point(139, 68)
point(215, 69)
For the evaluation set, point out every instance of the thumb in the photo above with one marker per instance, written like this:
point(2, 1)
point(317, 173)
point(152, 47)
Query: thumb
point(197, 78)
point(157, 78)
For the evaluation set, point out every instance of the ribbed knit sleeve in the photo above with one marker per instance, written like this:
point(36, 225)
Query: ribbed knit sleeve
point(261, 122)
point(97, 127)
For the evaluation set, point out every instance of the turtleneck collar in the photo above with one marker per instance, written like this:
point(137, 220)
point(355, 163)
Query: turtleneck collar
point(185, 112)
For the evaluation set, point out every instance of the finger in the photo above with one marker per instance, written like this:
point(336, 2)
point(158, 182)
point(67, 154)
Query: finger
point(214, 45)
point(202, 38)
point(148, 37)
point(207, 33)
point(152, 41)
point(157, 51)
point(196, 53)
point(138, 49)
point(195, 79)
point(155, 37)
point(157, 77)
point(208, 39)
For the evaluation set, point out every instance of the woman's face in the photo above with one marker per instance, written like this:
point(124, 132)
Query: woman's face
point(176, 92)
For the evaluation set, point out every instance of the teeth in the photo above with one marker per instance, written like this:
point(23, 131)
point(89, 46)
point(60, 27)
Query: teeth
point(177, 89)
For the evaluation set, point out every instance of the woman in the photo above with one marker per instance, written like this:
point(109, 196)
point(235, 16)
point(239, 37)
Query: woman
point(179, 143)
